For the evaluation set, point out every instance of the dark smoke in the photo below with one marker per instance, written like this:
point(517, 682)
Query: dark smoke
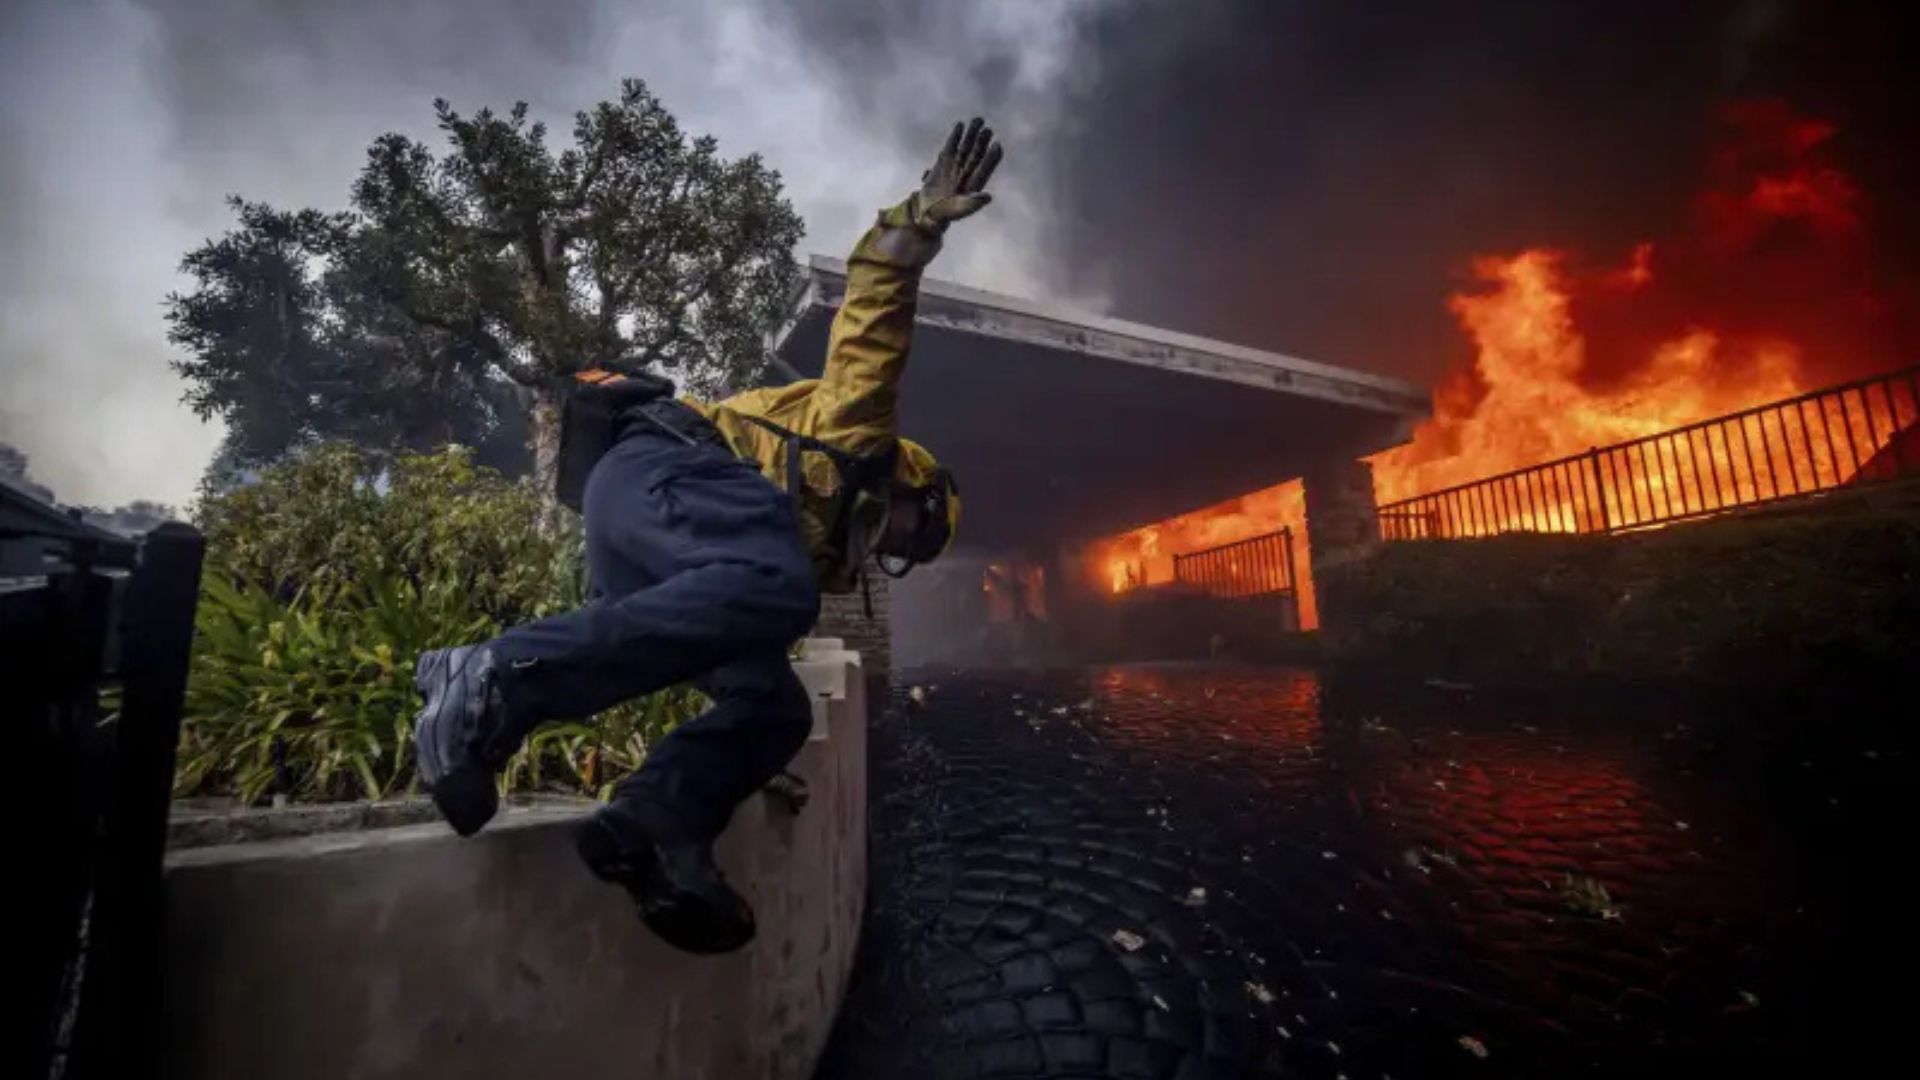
point(1313, 177)
point(1316, 177)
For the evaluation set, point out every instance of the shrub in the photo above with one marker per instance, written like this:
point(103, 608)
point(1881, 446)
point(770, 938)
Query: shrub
point(335, 513)
point(326, 580)
point(313, 697)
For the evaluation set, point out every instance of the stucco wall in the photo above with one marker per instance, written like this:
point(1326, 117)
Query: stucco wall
point(407, 952)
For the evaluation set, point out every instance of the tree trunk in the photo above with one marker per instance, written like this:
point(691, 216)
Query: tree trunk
point(543, 430)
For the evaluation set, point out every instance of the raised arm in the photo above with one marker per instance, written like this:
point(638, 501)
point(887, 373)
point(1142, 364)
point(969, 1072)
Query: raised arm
point(856, 402)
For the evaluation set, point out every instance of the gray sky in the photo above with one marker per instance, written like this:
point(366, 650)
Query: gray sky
point(127, 122)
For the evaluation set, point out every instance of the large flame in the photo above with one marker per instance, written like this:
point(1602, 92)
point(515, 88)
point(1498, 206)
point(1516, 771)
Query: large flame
point(1761, 296)
point(1533, 404)
point(1758, 299)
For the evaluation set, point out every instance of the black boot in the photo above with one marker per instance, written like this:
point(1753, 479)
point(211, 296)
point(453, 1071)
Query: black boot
point(463, 735)
point(681, 894)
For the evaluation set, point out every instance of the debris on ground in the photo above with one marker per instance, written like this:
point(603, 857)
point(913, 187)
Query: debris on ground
point(1196, 897)
point(1128, 940)
point(1260, 993)
point(1474, 1046)
point(918, 695)
point(1587, 896)
point(1449, 684)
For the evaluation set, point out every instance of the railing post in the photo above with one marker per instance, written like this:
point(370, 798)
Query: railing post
point(1599, 489)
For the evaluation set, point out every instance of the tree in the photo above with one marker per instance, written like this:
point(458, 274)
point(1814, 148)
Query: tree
point(458, 293)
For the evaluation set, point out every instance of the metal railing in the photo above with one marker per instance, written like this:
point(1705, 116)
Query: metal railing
point(1856, 433)
point(1257, 566)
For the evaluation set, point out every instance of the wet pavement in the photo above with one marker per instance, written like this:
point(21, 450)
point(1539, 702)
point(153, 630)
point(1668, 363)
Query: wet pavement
point(1204, 871)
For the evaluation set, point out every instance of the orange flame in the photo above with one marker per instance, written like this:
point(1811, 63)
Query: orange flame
point(1759, 299)
point(1144, 557)
point(1530, 361)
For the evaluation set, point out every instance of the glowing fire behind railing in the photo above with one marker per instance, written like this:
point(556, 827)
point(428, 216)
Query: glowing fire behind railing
point(1856, 433)
point(1149, 556)
point(1256, 566)
point(1764, 291)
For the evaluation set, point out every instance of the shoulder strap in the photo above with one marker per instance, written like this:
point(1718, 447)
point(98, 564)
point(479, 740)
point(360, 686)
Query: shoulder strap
point(851, 467)
point(857, 472)
point(796, 480)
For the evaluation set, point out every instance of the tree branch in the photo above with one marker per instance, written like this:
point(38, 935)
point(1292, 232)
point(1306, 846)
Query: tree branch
point(596, 164)
point(496, 351)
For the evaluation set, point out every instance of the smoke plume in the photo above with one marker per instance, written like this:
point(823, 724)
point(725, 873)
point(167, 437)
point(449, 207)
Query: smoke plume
point(1313, 177)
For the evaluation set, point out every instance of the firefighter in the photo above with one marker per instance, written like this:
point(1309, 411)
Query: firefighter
point(711, 530)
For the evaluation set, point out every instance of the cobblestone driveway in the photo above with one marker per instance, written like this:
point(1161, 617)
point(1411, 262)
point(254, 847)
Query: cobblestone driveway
point(1196, 872)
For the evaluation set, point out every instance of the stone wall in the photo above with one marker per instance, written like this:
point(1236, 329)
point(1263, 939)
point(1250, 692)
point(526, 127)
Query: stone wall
point(1797, 596)
point(404, 951)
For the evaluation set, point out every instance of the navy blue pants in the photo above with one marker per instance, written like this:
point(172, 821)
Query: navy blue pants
point(699, 574)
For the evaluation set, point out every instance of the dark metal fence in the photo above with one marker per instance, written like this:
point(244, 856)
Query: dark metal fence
point(96, 629)
point(1857, 433)
point(1257, 566)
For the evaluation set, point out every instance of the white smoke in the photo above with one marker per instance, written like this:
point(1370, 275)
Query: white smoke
point(127, 123)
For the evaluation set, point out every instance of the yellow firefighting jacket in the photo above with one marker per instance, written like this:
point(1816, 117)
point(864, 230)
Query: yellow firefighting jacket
point(851, 407)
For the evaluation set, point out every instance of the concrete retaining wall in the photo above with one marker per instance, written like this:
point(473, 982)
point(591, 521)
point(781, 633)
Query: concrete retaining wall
point(407, 952)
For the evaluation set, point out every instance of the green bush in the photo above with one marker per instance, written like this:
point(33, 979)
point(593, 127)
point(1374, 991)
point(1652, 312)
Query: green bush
point(336, 513)
point(326, 580)
point(317, 692)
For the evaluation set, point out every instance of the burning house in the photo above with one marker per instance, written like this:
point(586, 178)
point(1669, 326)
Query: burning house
point(1134, 491)
point(1068, 430)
